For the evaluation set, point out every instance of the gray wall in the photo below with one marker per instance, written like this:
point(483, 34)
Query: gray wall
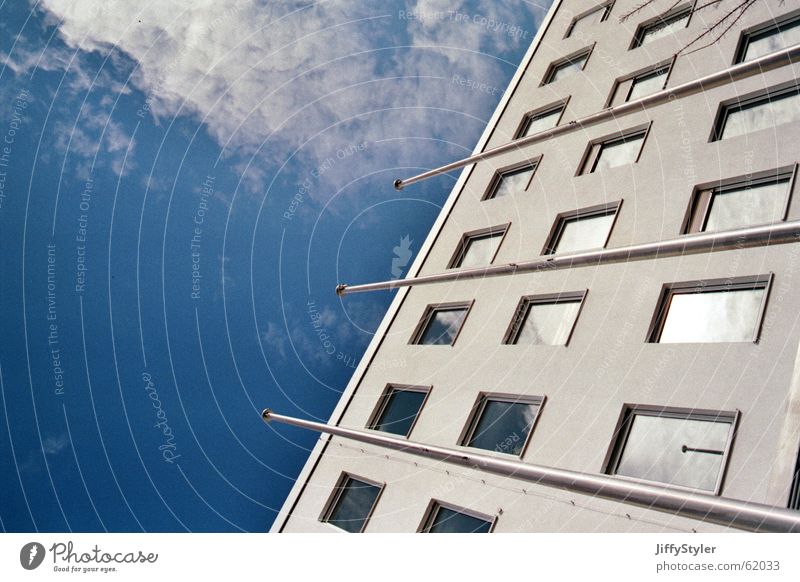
point(608, 361)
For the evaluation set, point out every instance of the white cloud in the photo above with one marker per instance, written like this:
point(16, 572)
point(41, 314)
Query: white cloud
point(276, 76)
point(54, 445)
point(92, 133)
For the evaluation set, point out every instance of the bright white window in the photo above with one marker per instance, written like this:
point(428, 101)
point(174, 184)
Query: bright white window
point(711, 311)
point(680, 448)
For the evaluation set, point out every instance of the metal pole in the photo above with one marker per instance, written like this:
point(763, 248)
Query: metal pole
point(723, 77)
point(708, 508)
point(771, 234)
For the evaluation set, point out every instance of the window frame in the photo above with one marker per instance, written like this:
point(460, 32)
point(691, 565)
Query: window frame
point(428, 313)
point(668, 290)
point(479, 406)
point(702, 196)
point(758, 29)
point(591, 155)
point(607, 6)
point(630, 80)
point(494, 183)
point(511, 335)
point(740, 102)
point(561, 105)
point(558, 63)
point(561, 220)
point(461, 248)
point(435, 504)
point(383, 402)
point(622, 429)
point(643, 27)
point(336, 495)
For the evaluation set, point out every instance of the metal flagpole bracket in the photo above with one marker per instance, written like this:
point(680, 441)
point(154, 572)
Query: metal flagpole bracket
point(704, 507)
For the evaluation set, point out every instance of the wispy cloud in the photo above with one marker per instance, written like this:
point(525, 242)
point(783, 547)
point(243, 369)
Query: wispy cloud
point(269, 78)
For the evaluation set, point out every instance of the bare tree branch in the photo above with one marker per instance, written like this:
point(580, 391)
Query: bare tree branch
point(735, 14)
point(716, 30)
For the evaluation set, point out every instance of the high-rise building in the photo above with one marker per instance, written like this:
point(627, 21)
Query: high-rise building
point(655, 365)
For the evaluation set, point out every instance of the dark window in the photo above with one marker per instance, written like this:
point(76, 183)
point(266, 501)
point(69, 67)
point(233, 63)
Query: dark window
point(794, 494)
point(351, 504)
point(440, 324)
point(501, 423)
point(442, 519)
point(398, 409)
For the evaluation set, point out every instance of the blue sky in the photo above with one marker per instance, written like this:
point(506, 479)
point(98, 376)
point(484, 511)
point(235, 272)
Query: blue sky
point(182, 185)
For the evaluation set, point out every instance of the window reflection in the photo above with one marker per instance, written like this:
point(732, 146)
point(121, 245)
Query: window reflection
point(774, 39)
point(548, 323)
point(567, 68)
point(480, 250)
point(541, 122)
point(647, 84)
point(353, 505)
point(579, 234)
point(663, 28)
point(595, 16)
point(747, 205)
point(619, 152)
point(513, 181)
point(502, 425)
point(446, 520)
point(759, 114)
point(713, 316)
point(678, 451)
point(400, 410)
point(443, 326)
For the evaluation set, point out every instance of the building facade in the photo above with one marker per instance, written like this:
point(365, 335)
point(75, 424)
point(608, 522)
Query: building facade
point(678, 370)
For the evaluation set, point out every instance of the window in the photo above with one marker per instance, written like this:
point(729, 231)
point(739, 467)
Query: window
point(582, 21)
point(720, 310)
point(398, 409)
point(540, 120)
point(584, 229)
point(501, 423)
point(678, 447)
point(740, 203)
point(442, 518)
point(545, 319)
point(794, 494)
point(762, 112)
point(351, 503)
point(617, 150)
point(566, 67)
point(511, 181)
point(639, 85)
point(441, 324)
point(769, 38)
point(661, 27)
point(478, 248)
